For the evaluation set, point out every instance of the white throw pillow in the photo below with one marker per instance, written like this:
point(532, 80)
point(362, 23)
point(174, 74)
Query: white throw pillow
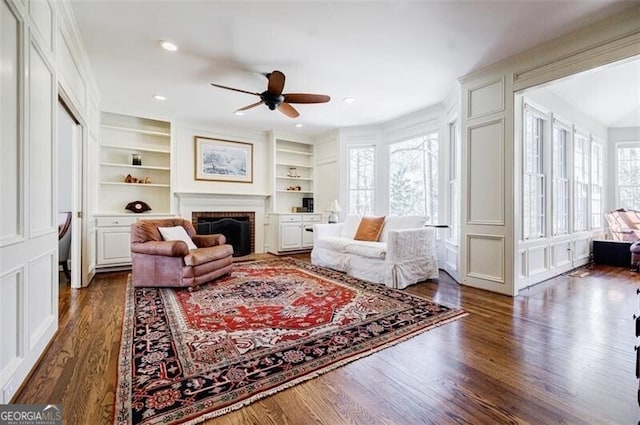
point(177, 233)
point(350, 226)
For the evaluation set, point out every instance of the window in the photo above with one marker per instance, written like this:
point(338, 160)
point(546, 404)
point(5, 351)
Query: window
point(361, 179)
point(596, 185)
point(580, 181)
point(454, 184)
point(560, 179)
point(533, 177)
point(628, 175)
point(413, 168)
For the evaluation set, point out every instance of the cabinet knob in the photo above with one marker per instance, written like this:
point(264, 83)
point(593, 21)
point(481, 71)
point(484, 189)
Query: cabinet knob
point(116, 222)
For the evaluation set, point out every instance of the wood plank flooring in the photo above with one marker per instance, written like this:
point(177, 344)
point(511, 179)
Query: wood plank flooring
point(559, 353)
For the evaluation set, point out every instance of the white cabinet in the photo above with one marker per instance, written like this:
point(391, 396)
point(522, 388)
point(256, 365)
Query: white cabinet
point(113, 239)
point(113, 246)
point(290, 231)
point(293, 174)
point(135, 163)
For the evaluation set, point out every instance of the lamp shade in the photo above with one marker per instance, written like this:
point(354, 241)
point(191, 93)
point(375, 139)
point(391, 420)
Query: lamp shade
point(334, 206)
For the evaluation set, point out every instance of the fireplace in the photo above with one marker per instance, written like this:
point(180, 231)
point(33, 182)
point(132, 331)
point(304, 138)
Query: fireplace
point(238, 227)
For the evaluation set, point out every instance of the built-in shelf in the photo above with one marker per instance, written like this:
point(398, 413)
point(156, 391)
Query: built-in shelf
point(136, 184)
point(294, 178)
point(142, 167)
point(135, 148)
point(296, 152)
point(293, 164)
point(137, 130)
point(125, 140)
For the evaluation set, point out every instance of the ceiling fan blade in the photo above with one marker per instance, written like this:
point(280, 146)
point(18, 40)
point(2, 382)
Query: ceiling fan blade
point(253, 105)
point(306, 98)
point(276, 83)
point(231, 88)
point(288, 110)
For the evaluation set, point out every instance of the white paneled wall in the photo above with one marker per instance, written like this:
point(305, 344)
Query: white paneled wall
point(30, 83)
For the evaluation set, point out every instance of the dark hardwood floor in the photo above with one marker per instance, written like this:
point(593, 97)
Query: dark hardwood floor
point(559, 353)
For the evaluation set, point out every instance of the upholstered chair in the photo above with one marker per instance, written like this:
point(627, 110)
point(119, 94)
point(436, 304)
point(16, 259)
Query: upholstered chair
point(158, 262)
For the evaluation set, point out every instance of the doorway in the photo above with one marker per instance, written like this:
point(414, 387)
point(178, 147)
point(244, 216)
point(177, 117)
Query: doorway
point(69, 190)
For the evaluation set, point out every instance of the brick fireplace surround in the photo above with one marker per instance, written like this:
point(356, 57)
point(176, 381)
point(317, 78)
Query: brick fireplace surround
point(228, 214)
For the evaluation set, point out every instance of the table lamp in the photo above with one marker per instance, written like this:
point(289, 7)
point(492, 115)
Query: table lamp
point(333, 208)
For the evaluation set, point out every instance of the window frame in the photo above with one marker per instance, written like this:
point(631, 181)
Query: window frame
point(618, 147)
point(534, 225)
point(369, 209)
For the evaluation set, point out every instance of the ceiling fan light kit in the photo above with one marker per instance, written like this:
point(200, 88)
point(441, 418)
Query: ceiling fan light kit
point(275, 99)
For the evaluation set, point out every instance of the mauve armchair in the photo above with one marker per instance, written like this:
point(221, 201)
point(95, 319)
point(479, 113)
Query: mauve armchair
point(159, 263)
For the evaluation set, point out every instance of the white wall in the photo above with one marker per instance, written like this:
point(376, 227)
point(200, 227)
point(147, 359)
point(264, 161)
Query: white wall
point(183, 158)
point(326, 173)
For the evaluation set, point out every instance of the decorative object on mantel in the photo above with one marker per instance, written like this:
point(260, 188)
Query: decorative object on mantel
point(190, 356)
point(223, 160)
point(138, 207)
point(333, 209)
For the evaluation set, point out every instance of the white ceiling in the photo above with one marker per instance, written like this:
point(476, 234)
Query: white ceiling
point(394, 57)
point(609, 94)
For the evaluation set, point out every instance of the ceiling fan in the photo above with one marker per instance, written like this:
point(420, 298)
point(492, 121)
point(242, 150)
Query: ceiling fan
point(275, 99)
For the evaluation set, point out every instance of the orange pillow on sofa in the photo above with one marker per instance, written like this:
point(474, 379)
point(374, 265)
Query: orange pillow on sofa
point(369, 229)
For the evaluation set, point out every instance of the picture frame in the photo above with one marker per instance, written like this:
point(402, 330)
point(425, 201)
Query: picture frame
point(223, 160)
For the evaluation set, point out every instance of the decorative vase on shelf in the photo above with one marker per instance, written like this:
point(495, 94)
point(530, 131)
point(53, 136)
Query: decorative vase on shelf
point(136, 159)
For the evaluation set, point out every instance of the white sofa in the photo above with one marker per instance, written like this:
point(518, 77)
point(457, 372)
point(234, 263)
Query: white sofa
point(403, 255)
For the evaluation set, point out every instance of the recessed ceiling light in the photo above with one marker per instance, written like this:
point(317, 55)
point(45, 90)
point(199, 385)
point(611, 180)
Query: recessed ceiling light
point(167, 45)
point(299, 125)
point(239, 113)
point(159, 97)
point(349, 99)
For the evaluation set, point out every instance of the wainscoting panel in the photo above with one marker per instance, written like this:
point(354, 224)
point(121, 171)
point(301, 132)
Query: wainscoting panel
point(486, 99)
point(485, 257)
point(581, 248)
point(42, 16)
point(537, 260)
point(70, 74)
point(10, 331)
point(485, 178)
point(41, 301)
point(561, 254)
point(41, 113)
point(10, 185)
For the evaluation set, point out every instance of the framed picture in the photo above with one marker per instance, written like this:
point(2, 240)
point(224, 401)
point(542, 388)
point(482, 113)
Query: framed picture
point(224, 160)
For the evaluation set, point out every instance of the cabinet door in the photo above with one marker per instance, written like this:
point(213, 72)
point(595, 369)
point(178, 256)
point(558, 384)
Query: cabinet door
point(114, 246)
point(307, 235)
point(290, 236)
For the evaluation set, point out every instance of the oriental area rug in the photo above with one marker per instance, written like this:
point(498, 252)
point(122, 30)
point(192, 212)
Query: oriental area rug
point(189, 356)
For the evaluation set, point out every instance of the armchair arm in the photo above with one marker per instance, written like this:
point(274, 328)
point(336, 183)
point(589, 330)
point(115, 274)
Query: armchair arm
point(165, 248)
point(325, 230)
point(205, 241)
point(407, 244)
